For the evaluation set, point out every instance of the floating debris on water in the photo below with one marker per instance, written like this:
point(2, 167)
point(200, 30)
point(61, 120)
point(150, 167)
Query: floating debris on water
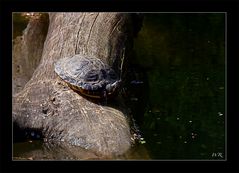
point(142, 141)
point(136, 82)
point(134, 99)
point(155, 110)
point(193, 135)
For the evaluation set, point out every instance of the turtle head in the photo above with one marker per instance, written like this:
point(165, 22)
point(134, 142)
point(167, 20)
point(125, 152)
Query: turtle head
point(112, 87)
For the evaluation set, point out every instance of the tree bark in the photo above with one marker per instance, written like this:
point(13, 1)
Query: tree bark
point(46, 105)
point(27, 51)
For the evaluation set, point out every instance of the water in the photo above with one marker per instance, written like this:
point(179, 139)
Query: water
point(176, 87)
point(183, 59)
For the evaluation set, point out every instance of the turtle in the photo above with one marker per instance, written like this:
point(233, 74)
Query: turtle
point(89, 76)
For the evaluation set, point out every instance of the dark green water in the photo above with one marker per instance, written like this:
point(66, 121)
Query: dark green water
point(179, 102)
point(19, 24)
point(183, 59)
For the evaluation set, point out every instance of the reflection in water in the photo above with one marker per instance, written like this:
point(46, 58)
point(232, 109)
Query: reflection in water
point(37, 150)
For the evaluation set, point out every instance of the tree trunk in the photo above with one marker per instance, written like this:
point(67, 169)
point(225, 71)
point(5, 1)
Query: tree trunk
point(48, 107)
point(27, 51)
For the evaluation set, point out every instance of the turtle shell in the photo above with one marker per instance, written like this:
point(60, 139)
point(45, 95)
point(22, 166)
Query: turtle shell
point(88, 75)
